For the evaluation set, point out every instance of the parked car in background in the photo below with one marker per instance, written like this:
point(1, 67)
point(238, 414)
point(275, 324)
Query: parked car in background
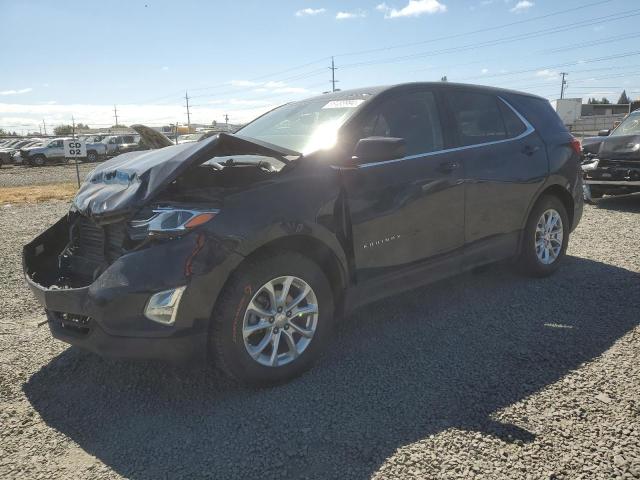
point(611, 164)
point(117, 144)
point(53, 152)
point(189, 138)
point(7, 153)
point(50, 152)
point(247, 248)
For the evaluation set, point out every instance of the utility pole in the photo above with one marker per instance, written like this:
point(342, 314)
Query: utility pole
point(73, 132)
point(226, 122)
point(333, 69)
point(45, 127)
point(115, 114)
point(564, 83)
point(186, 97)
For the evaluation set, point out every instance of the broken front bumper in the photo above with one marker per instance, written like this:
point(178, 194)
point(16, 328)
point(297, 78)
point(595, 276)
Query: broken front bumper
point(107, 315)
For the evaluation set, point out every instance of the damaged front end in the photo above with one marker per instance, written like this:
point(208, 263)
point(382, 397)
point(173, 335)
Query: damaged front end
point(131, 270)
point(614, 169)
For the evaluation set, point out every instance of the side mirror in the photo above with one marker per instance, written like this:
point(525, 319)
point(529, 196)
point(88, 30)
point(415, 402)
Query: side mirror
point(604, 133)
point(378, 149)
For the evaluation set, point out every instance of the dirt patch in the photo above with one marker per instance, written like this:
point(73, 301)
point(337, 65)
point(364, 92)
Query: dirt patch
point(37, 193)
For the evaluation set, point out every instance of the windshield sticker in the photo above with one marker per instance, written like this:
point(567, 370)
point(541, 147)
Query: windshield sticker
point(344, 103)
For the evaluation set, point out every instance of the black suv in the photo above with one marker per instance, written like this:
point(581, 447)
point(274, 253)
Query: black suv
point(246, 248)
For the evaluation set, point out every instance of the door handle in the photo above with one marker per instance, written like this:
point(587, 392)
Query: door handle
point(530, 150)
point(448, 167)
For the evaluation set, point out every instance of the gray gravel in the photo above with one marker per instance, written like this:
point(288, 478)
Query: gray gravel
point(17, 175)
point(488, 375)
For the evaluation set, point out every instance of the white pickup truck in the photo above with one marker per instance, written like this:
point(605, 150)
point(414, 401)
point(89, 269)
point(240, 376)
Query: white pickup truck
point(53, 152)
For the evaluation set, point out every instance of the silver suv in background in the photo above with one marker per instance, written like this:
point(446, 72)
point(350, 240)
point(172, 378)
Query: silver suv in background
point(117, 144)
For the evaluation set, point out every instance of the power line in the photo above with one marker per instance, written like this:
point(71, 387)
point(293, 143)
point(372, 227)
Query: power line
point(473, 32)
point(500, 41)
point(362, 52)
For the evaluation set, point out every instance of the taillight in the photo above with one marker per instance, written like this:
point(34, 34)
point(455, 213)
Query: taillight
point(577, 147)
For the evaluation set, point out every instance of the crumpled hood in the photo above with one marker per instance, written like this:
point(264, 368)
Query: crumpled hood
point(120, 186)
point(621, 147)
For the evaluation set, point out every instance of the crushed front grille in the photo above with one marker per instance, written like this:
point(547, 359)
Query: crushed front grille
point(92, 248)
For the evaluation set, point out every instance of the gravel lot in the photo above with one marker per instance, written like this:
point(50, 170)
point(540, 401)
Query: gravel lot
point(15, 175)
point(488, 375)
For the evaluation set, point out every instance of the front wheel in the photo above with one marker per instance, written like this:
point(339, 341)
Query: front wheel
point(272, 320)
point(546, 237)
point(39, 160)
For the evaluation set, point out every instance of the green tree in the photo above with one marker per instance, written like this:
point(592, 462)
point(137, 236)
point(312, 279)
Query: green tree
point(61, 130)
point(624, 99)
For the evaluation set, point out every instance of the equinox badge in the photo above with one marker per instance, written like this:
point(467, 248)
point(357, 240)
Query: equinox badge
point(377, 243)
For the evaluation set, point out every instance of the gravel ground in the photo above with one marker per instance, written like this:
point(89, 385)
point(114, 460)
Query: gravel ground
point(17, 176)
point(487, 375)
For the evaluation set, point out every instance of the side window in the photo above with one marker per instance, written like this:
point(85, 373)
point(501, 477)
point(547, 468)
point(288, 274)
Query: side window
point(512, 123)
point(412, 116)
point(477, 118)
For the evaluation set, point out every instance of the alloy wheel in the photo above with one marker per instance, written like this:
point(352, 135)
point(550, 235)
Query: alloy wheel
point(549, 236)
point(280, 321)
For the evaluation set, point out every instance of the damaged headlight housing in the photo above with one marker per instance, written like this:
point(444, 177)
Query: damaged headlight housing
point(590, 164)
point(167, 222)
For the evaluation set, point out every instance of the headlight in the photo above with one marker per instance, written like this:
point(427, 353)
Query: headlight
point(170, 222)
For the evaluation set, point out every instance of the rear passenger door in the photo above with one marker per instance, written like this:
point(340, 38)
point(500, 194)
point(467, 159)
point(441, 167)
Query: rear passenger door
point(505, 162)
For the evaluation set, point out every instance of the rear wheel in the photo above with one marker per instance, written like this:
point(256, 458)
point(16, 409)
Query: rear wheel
point(272, 320)
point(546, 237)
point(92, 156)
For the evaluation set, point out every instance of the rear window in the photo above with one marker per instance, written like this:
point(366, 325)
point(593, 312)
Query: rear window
point(512, 123)
point(540, 114)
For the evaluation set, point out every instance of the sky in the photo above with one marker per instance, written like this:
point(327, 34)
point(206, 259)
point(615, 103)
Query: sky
point(242, 57)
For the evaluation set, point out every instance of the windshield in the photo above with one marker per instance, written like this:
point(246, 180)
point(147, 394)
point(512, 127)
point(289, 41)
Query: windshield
point(304, 126)
point(629, 126)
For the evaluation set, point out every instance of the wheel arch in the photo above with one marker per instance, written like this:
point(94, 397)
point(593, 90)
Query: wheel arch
point(316, 250)
point(559, 191)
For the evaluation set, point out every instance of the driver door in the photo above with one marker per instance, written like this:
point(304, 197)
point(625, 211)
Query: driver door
point(408, 210)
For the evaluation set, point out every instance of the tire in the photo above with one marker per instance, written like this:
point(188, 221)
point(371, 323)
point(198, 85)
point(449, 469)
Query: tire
point(39, 161)
point(529, 261)
point(231, 315)
point(92, 156)
point(590, 194)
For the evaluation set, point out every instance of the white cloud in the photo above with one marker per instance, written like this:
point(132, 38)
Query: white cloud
point(165, 68)
point(271, 86)
point(350, 15)
point(307, 12)
point(484, 71)
point(414, 8)
point(243, 83)
point(522, 6)
point(27, 116)
point(274, 84)
point(16, 92)
point(546, 73)
point(290, 90)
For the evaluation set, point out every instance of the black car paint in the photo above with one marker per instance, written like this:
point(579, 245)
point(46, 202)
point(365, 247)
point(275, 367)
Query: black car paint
point(376, 229)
